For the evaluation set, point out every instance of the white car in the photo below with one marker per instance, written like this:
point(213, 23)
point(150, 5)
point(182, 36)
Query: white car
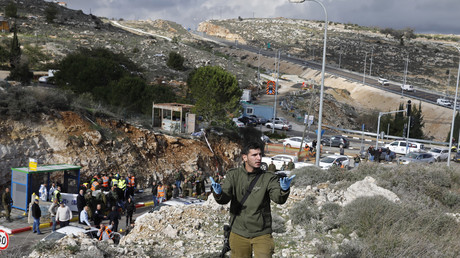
point(279, 160)
point(407, 87)
point(238, 123)
point(440, 154)
point(327, 162)
point(295, 142)
point(443, 102)
point(384, 82)
point(282, 119)
point(279, 125)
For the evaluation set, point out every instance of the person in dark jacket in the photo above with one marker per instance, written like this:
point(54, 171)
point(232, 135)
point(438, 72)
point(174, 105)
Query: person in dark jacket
point(98, 216)
point(130, 209)
point(7, 203)
point(114, 217)
point(251, 225)
point(81, 203)
point(154, 193)
point(36, 214)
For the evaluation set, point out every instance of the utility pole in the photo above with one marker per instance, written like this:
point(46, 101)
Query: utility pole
point(370, 67)
point(277, 72)
point(364, 73)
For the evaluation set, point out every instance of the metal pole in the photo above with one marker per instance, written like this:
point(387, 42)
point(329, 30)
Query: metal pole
point(258, 69)
point(378, 129)
point(323, 68)
point(364, 73)
point(340, 57)
point(276, 88)
point(453, 113)
point(370, 67)
point(321, 96)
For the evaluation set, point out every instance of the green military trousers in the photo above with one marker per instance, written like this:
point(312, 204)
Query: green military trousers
point(263, 246)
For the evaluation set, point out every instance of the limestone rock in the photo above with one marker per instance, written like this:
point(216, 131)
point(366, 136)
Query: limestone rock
point(367, 188)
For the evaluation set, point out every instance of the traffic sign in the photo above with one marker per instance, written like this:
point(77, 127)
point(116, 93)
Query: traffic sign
point(4, 240)
point(271, 88)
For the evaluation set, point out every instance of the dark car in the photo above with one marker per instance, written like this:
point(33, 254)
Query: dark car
point(260, 120)
point(248, 121)
point(336, 141)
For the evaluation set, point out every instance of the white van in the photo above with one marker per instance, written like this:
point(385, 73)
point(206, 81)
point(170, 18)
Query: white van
point(400, 147)
point(407, 87)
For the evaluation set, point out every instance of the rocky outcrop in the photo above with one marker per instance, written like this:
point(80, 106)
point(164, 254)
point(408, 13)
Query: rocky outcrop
point(218, 31)
point(367, 188)
point(104, 146)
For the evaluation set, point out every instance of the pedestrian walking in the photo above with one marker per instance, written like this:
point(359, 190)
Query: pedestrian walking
point(130, 209)
point(36, 214)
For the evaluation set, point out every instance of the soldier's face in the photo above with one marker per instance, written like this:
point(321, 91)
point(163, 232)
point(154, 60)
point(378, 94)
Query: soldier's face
point(252, 159)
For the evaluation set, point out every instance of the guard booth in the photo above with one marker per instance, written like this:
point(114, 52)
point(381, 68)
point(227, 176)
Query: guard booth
point(24, 181)
point(173, 117)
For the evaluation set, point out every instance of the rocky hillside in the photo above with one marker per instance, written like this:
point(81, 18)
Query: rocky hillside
point(106, 145)
point(73, 29)
point(430, 56)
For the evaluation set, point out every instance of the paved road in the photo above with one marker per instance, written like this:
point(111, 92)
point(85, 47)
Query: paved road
point(394, 87)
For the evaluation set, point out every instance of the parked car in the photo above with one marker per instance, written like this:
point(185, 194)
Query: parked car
point(417, 157)
point(400, 147)
point(238, 123)
point(336, 141)
point(278, 160)
point(282, 119)
point(295, 142)
point(327, 162)
point(440, 154)
point(383, 81)
point(248, 121)
point(443, 102)
point(279, 125)
point(260, 120)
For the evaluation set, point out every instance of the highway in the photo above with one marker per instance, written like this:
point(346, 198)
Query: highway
point(394, 87)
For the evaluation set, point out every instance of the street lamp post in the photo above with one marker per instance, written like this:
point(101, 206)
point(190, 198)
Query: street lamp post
point(370, 67)
point(258, 69)
point(453, 113)
point(364, 73)
point(321, 96)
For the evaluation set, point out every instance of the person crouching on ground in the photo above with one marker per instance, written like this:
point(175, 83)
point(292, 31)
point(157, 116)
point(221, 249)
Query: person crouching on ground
point(246, 238)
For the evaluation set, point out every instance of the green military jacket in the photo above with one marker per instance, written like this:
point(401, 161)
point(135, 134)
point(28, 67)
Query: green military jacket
point(254, 218)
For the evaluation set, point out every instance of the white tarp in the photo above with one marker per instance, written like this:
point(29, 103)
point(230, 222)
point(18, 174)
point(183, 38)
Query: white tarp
point(70, 200)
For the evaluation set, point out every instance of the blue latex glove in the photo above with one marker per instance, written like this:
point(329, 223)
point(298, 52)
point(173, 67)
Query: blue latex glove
point(215, 186)
point(285, 182)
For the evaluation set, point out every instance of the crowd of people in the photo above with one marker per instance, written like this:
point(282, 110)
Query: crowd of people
point(181, 186)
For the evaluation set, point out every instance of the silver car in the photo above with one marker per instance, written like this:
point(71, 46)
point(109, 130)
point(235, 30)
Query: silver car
point(417, 157)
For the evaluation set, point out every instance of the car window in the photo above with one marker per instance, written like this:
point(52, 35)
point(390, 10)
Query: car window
point(402, 144)
point(277, 158)
point(394, 144)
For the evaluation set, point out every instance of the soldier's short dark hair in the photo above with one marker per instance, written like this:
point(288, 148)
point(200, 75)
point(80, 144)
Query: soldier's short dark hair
point(251, 146)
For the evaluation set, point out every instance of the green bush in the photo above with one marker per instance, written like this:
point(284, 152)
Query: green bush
point(11, 10)
point(278, 223)
point(175, 61)
point(21, 73)
point(50, 13)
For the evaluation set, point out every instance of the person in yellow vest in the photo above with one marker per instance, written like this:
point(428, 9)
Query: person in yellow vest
point(122, 186)
point(57, 195)
point(161, 193)
point(105, 182)
point(104, 232)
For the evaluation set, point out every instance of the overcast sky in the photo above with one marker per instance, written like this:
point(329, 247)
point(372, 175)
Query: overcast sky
point(425, 16)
